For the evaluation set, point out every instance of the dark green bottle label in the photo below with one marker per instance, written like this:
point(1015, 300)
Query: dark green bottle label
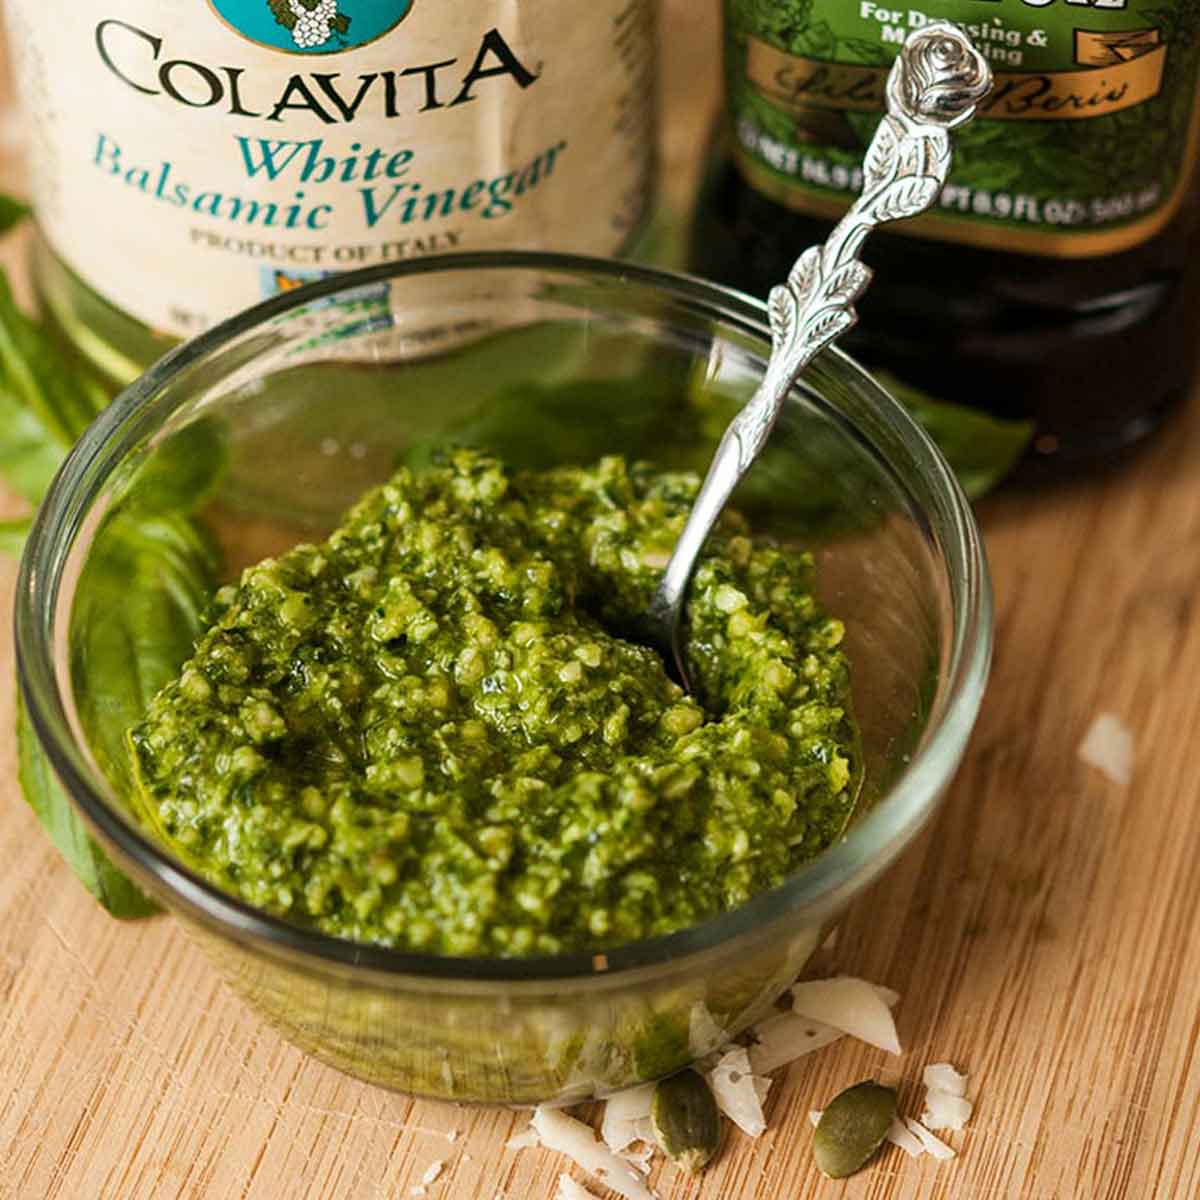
point(1085, 145)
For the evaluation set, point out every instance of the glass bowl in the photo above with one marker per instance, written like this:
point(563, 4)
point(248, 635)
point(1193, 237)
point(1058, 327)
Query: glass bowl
point(263, 430)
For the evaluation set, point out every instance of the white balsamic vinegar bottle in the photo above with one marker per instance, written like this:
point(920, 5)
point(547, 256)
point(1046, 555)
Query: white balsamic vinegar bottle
point(191, 157)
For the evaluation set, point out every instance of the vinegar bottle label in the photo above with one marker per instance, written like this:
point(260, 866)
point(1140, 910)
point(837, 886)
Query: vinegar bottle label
point(191, 157)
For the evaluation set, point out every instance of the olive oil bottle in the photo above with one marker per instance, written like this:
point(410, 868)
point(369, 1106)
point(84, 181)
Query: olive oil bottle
point(191, 157)
point(1059, 280)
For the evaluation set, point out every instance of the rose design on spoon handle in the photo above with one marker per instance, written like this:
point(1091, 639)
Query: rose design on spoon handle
point(933, 87)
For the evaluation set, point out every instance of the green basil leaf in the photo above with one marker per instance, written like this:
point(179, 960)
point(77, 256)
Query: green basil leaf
point(138, 609)
point(65, 828)
point(141, 601)
point(30, 453)
point(12, 212)
point(535, 427)
point(42, 375)
point(981, 448)
point(34, 439)
point(47, 398)
point(179, 474)
point(12, 535)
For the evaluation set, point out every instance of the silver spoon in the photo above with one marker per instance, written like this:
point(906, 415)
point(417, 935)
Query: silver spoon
point(933, 87)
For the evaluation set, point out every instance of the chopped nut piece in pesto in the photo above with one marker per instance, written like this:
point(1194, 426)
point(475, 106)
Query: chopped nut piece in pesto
point(428, 732)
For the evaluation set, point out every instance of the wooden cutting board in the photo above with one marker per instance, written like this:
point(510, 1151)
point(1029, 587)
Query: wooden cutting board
point(1043, 933)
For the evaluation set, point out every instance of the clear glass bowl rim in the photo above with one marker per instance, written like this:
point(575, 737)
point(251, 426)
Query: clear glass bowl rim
point(895, 818)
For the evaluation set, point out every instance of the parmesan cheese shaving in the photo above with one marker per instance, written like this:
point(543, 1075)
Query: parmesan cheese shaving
point(641, 1160)
point(622, 1112)
point(943, 1077)
point(645, 1130)
point(573, 1138)
point(568, 1189)
point(735, 1091)
point(632, 1103)
point(851, 1005)
point(1108, 746)
point(931, 1143)
point(944, 1110)
point(898, 1135)
point(522, 1140)
point(786, 1037)
point(704, 1034)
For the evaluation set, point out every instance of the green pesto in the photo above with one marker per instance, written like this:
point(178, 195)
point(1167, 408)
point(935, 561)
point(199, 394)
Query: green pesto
point(427, 732)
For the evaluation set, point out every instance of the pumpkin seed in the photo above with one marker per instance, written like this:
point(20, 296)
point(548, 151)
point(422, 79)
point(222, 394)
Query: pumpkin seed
point(853, 1127)
point(683, 1115)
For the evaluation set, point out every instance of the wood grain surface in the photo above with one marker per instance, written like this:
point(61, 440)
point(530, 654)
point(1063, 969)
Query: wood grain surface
point(1043, 932)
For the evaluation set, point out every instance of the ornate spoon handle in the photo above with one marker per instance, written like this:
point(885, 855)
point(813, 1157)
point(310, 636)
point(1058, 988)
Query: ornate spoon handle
point(933, 86)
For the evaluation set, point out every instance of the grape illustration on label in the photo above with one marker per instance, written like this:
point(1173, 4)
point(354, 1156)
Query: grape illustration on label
point(312, 26)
